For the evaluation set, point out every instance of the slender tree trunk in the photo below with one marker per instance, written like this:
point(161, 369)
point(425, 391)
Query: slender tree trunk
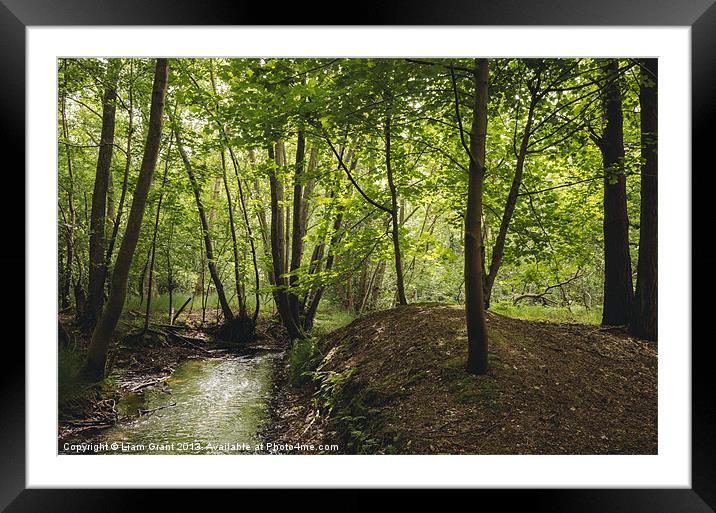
point(644, 316)
point(618, 290)
point(127, 166)
point(399, 280)
point(498, 251)
point(299, 228)
point(377, 286)
point(208, 245)
point(316, 300)
point(153, 249)
point(252, 244)
point(70, 228)
point(170, 274)
point(474, 301)
point(143, 276)
point(95, 291)
point(97, 352)
point(240, 294)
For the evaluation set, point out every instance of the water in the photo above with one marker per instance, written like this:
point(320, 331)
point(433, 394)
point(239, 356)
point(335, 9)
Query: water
point(207, 406)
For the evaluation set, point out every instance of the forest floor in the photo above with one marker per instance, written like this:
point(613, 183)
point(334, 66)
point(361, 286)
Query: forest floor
point(395, 382)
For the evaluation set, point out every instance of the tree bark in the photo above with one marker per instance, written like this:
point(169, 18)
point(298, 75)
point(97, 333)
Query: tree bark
point(97, 352)
point(617, 261)
point(399, 280)
point(95, 290)
point(299, 228)
point(644, 316)
point(474, 301)
point(70, 224)
point(278, 246)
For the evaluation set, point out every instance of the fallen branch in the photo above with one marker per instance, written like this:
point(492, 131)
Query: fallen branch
point(187, 341)
point(181, 309)
point(152, 410)
point(148, 383)
point(542, 296)
point(536, 297)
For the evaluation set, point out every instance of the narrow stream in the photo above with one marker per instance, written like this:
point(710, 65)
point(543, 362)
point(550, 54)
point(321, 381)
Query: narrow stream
point(207, 406)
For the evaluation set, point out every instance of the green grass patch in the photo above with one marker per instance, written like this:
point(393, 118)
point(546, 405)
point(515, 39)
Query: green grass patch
point(575, 313)
point(330, 317)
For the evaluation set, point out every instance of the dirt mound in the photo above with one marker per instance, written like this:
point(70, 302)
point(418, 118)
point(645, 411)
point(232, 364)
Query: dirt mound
point(398, 384)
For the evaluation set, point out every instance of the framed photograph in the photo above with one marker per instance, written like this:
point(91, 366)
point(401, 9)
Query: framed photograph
point(418, 252)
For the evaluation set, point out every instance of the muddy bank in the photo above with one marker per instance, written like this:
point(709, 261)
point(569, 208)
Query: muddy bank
point(296, 425)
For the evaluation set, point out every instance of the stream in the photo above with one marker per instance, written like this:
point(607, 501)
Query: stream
point(206, 406)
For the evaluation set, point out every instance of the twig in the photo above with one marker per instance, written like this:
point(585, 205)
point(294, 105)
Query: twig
point(152, 410)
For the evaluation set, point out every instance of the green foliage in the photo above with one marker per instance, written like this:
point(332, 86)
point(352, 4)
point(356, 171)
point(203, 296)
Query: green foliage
point(69, 384)
point(353, 411)
point(230, 111)
point(303, 359)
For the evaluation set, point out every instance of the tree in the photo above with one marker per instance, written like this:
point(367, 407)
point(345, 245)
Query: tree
point(94, 367)
point(644, 314)
point(95, 292)
point(618, 291)
point(474, 300)
point(206, 235)
point(535, 95)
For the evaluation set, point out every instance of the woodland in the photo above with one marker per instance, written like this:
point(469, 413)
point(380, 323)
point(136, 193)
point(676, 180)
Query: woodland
point(412, 222)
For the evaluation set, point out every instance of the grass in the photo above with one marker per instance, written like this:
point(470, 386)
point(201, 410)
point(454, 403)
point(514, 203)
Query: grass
point(330, 317)
point(576, 313)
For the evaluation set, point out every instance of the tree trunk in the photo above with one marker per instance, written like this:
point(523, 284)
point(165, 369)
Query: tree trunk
point(95, 291)
point(127, 167)
point(617, 262)
point(377, 286)
point(97, 352)
point(644, 315)
point(240, 293)
point(474, 301)
point(498, 251)
point(153, 248)
point(399, 280)
point(278, 246)
point(299, 228)
point(208, 245)
point(70, 228)
point(316, 300)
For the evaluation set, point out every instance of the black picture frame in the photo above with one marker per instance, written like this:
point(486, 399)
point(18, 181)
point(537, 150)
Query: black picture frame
point(700, 15)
